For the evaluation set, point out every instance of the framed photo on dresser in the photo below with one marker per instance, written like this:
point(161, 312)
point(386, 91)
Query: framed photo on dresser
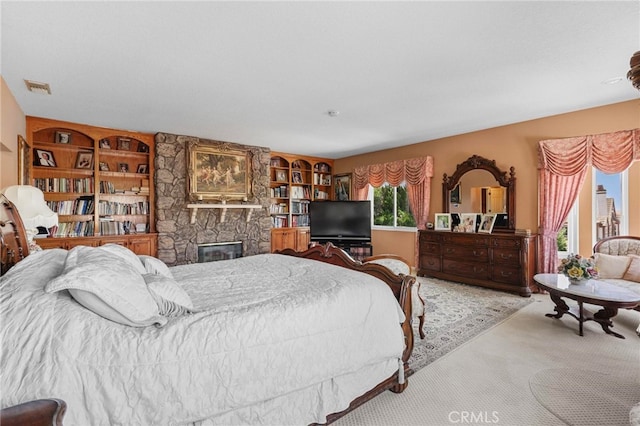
point(486, 225)
point(443, 222)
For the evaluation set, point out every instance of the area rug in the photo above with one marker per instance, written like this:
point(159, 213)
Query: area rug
point(456, 313)
point(584, 398)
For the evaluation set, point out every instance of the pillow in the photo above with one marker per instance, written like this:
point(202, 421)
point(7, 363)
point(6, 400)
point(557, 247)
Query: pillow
point(153, 265)
point(610, 266)
point(109, 285)
point(126, 254)
point(168, 289)
point(633, 271)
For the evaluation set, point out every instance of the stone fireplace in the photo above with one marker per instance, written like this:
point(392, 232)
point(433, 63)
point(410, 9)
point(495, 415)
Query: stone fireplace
point(178, 238)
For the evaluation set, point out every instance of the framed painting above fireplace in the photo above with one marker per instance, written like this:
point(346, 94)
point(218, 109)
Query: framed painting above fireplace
point(218, 172)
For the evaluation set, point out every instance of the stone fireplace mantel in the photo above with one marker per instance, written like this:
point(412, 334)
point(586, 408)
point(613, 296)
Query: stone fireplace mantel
point(224, 207)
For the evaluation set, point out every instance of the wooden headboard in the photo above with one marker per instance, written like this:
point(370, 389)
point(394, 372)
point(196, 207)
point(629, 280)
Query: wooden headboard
point(13, 238)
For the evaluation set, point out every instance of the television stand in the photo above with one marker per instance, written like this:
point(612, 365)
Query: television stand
point(356, 249)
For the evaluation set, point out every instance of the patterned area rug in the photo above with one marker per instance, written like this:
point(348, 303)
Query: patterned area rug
point(456, 313)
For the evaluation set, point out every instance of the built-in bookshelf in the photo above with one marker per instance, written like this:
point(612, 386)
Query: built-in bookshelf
point(98, 180)
point(295, 181)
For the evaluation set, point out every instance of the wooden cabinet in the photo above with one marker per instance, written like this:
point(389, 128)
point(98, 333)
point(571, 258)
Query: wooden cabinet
point(98, 180)
point(499, 261)
point(138, 243)
point(293, 238)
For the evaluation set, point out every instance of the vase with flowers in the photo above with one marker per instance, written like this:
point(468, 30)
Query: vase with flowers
point(578, 268)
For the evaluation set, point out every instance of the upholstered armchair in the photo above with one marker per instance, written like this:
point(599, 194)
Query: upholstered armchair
point(399, 265)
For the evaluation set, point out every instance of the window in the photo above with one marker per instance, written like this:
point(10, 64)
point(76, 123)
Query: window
point(610, 214)
point(609, 201)
point(391, 207)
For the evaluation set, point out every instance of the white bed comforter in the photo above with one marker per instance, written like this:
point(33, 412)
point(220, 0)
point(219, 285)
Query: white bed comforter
point(271, 330)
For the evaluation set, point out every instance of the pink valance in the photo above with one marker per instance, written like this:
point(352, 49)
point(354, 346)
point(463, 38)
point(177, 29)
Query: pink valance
point(413, 171)
point(608, 152)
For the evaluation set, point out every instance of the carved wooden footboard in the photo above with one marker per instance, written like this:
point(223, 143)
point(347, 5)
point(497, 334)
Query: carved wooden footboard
point(41, 412)
point(401, 287)
point(13, 237)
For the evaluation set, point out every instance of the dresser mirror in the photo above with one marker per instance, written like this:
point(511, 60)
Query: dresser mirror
point(479, 186)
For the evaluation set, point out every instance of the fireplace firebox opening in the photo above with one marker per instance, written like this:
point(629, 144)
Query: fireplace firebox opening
point(212, 252)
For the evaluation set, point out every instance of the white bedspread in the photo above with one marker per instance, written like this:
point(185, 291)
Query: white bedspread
point(272, 329)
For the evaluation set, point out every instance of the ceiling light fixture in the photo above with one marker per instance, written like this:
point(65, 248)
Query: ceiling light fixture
point(634, 73)
point(612, 80)
point(333, 113)
point(36, 87)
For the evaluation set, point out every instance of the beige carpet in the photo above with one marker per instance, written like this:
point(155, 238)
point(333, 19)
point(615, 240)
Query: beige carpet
point(607, 397)
point(488, 379)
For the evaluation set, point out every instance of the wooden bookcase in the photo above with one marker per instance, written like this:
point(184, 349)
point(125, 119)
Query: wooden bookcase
point(294, 182)
point(98, 180)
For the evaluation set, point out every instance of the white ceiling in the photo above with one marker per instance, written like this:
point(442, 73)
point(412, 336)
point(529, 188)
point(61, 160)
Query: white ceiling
point(267, 73)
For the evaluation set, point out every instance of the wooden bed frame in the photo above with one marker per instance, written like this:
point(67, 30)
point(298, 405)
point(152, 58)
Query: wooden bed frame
point(13, 237)
point(14, 248)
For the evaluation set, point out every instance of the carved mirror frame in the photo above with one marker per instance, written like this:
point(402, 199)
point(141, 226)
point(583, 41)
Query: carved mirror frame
point(476, 162)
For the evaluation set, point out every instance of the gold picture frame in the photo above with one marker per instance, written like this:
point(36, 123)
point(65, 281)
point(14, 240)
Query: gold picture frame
point(24, 160)
point(342, 187)
point(218, 172)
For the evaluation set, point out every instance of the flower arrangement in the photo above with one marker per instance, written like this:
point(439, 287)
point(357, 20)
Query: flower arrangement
point(577, 267)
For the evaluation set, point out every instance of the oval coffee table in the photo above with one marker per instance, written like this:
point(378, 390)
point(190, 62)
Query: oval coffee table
point(609, 296)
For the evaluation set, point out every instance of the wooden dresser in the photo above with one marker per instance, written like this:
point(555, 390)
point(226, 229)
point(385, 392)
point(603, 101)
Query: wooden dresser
point(500, 261)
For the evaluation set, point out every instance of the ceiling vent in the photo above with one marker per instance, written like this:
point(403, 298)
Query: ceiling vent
point(35, 87)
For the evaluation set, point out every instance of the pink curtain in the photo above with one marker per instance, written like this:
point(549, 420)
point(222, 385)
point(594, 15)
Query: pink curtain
point(563, 164)
point(415, 172)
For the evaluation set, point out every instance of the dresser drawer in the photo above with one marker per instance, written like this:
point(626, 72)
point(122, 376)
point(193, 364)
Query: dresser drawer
point(429, 248)
point(463, 239)
point(466, 269)
point(506, 274)
point(505, 256)
point(429, 262)
point(426, 236)
point(467, 253)
point(514, 243)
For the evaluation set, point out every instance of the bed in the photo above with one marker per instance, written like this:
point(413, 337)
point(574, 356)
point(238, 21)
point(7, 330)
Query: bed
point(289, 338)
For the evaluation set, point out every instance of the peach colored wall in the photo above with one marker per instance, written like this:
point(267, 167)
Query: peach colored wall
point(513, 145)
point(12, 124)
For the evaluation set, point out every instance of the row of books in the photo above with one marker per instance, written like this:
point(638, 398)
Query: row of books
point(82, 205)
point(111, 207)
point(300, 192)
point(78, 185)
point(321, 195)
point(280, 192)
point(72, 229)
point(279, 221)
point(109, 226)
point(300, 207)
point(300, 220)
point(275, 208)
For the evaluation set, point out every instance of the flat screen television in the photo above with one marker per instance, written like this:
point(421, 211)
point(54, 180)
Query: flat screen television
point(340, 221)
